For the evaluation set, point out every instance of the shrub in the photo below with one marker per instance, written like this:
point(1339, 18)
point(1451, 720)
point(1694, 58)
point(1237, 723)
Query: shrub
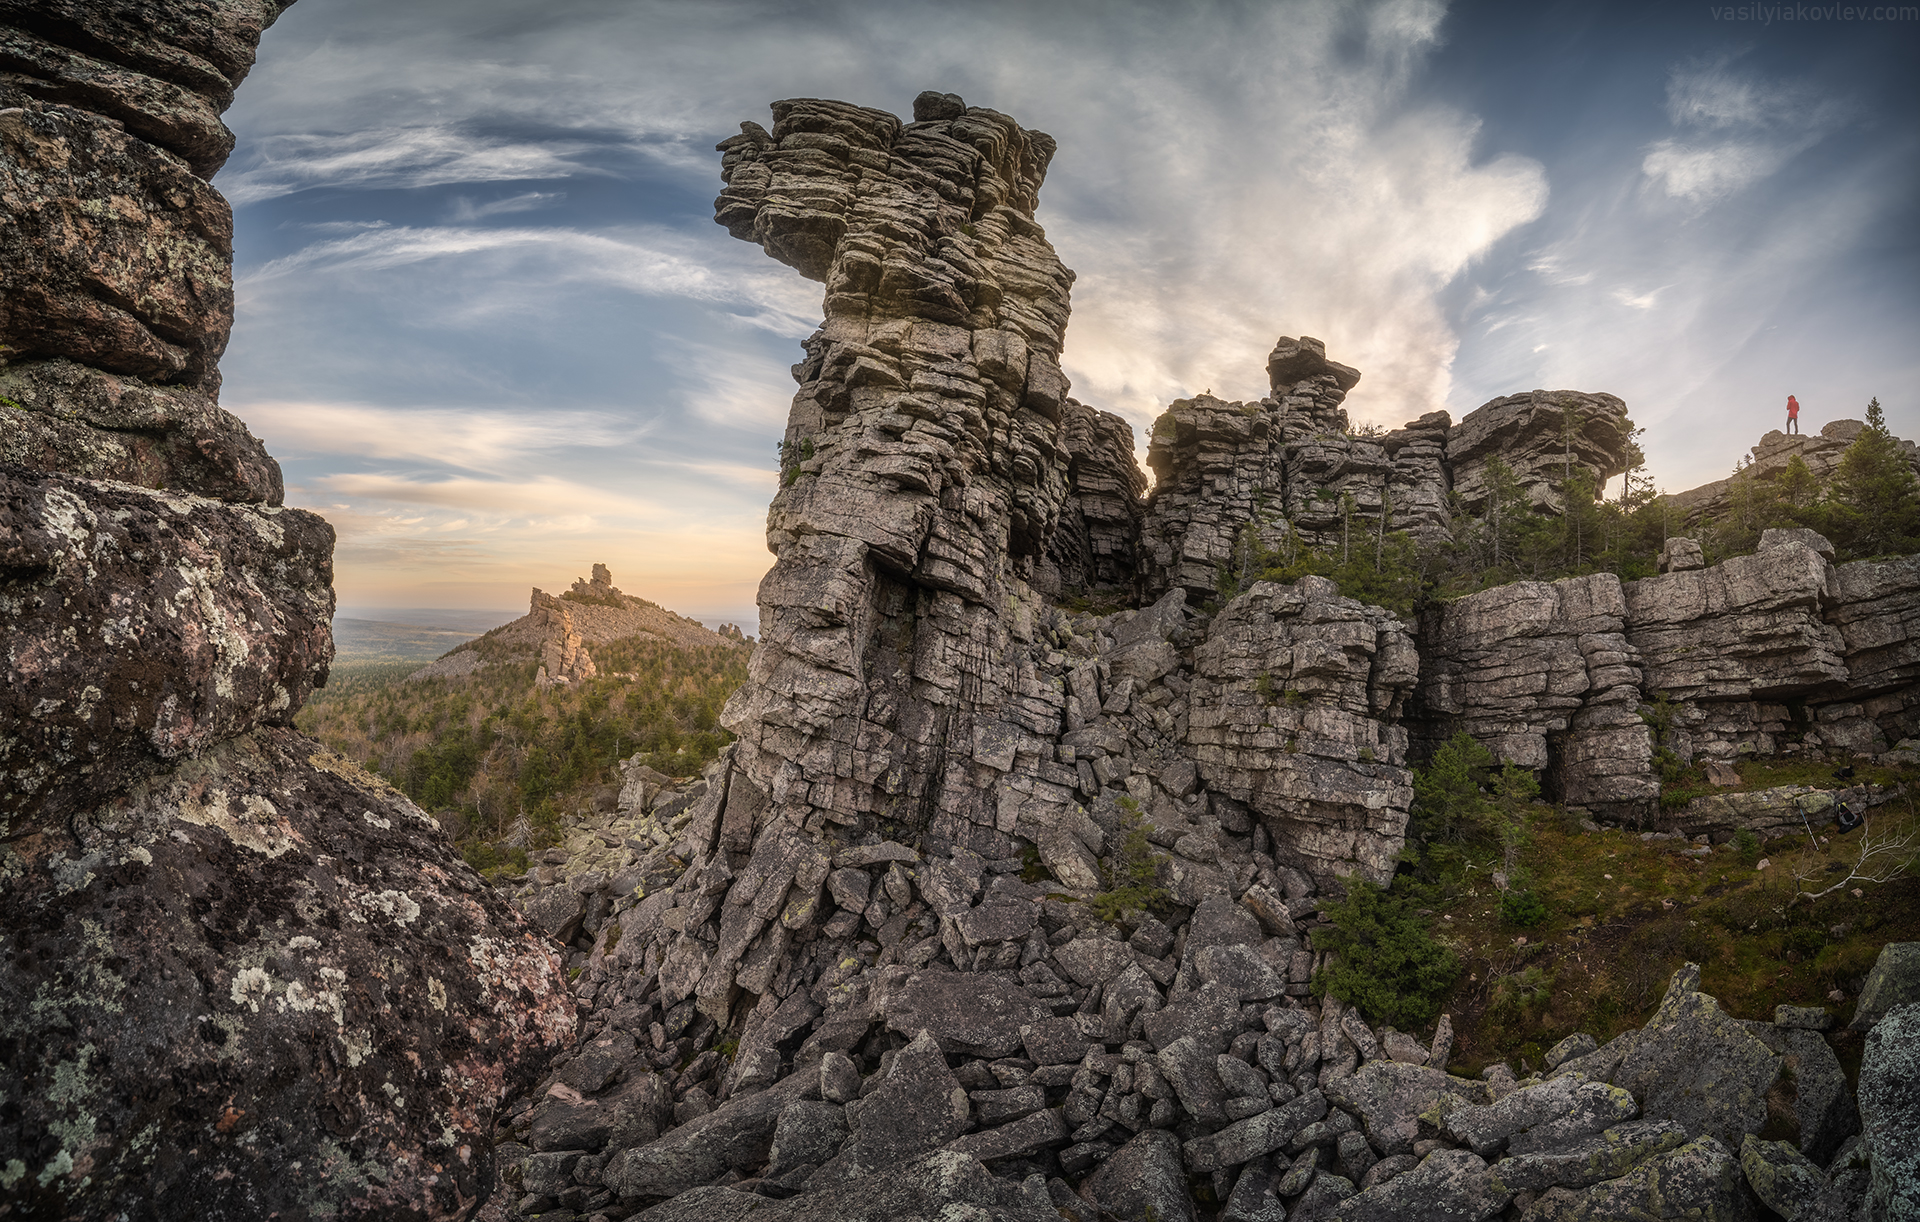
point(1131, 872)
point(1386, 962)
point(1746, 845)
point(1522, 908)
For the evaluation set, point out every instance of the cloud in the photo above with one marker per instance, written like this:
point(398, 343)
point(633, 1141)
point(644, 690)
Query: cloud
point(487, 440)
point(465, 210)
point(1747, 129)
point(1639, 301)
point(523, 262)
point(398, 158)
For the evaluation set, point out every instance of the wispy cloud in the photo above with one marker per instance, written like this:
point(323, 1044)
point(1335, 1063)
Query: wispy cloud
point(644, 260)
point(465, 210)
point(1744, 130)
point(487, 440)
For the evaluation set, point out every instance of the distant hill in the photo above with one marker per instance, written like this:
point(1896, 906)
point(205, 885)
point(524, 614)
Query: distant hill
point(507, 734)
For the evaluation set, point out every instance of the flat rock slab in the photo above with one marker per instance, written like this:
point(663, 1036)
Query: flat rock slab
point(737, 1136)
point(1248, 1139)
point(1542, 1117)
point(1447, 1186)
point(919, 1107)
point(975, 1015)
point(1390, 1099)
point(1602, 1156)
point(1697, 1182)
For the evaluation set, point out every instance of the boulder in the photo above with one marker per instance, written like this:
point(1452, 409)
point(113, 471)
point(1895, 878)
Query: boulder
point(1588, 1160)
point(1541, 1117)
point(919, 1106)
point(1894, 981)
point(1890, 1111)
point(1447, 1186)
point(966, 1013)
point(1248, 1139)
point(941, 1184)
point(1392, 1100)
point(1699, 1182)
point(1785, 1180)
point(1142, 1181)
point(1695, 1065)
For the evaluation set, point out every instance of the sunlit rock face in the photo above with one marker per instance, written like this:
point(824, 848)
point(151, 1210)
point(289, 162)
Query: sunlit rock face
point(243, 979)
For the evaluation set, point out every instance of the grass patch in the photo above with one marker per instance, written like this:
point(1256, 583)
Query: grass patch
point(1622, 914)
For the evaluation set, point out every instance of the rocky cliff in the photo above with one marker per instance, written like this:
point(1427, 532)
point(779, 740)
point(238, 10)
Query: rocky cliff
point(242, 978)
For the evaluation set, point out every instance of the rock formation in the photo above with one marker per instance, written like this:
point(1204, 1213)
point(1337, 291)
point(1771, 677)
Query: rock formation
point(1768, 461)
point(242, 978)
point(558, 633)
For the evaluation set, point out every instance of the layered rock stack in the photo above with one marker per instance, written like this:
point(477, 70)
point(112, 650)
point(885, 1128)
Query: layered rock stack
point(242, 978)
point(1235, 480)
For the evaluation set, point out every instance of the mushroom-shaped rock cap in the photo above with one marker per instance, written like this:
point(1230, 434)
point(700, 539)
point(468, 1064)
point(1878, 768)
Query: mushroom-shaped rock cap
point(1295, 360)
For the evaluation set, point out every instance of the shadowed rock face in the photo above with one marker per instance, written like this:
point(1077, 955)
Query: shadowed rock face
point(925, 464)
point(243, 979)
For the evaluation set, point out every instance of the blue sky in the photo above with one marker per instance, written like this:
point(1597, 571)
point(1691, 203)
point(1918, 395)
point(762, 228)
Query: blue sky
point(488, 326)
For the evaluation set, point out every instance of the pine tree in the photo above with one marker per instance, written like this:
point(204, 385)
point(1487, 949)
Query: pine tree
point(1876, 489)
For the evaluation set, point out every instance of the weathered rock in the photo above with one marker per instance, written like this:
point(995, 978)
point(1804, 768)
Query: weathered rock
point(146, 627)
point(1392, 1099)
point(1541, 1117)
point(59, 416)
point(944, 1183)
point(968, 1014)
point(1823, 1106)
point(1699, 1181)
point(1096, 543)
point(1577, 1045)
point(1295, 698)
point(806, 1132)
point(1543, 675)
point(258, 951)
point(1257, 1135)
point(1893, 982)
point(1141, 1181)
point(1447, 1186)
point(1695, 1065)
point(918, 1107)
point(737, 1135)
point(1588, 1160)
point(1889, 1113)
point(1785, 1180)
point(925, 470)
point(1540, 436)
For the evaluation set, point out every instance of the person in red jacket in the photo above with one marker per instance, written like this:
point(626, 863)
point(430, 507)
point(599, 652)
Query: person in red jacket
point(1793, 414)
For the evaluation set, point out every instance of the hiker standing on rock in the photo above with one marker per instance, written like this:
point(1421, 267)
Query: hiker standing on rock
point(1793, 414)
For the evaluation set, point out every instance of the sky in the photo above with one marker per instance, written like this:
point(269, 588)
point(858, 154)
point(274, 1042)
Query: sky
point(489, 328)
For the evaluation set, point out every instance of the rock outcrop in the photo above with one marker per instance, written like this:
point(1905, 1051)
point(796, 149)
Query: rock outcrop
point(243, 979)
point(1768, 461)
point(1545, 676)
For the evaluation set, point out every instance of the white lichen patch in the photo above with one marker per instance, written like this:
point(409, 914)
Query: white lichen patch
point(251, 986)
point(436, 993)
point(301, 941)
point(358, 1045)
point(139, 854)
point(330, 996)
point(258, 825)
point(376, 820)
point(396, 906)
point(12, 1173)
